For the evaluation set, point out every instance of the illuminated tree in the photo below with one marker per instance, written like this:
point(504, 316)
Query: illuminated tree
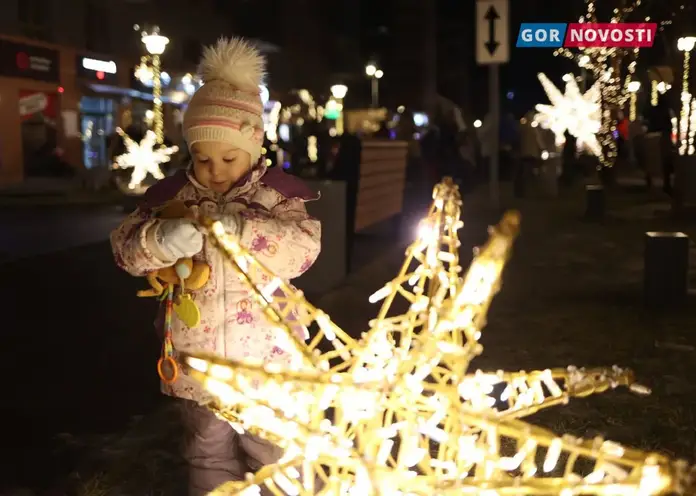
point(613, 68)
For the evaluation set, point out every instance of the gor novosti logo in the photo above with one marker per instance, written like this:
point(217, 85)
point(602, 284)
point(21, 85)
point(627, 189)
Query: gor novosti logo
point(586, 35)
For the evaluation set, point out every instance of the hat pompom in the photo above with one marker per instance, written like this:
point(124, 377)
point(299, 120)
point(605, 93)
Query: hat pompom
point(235, 61)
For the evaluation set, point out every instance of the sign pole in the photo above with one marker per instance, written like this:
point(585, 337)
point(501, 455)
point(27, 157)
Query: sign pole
point(493, 49)
point(494, 130)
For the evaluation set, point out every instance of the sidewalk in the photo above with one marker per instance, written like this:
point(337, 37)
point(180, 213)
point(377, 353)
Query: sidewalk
point(571, 295)
point(75, 198)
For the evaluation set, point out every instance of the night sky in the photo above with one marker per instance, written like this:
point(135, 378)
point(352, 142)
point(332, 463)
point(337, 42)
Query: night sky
point(519, 76)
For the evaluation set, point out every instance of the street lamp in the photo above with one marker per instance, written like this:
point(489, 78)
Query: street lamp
point(686, 45)
point(155, 44)
point(375, 74)
point(633, 88)
point(339, 93)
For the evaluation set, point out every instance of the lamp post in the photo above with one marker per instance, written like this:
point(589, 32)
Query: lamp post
point(686, 45)
point(633, 88)
point(155, 44)
point(339, 93)
point(375, 74)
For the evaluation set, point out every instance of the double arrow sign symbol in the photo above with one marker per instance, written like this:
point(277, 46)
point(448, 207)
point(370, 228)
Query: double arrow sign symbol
point(491, 17)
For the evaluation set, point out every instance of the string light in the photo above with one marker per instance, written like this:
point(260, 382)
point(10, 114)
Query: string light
point(312, 151)
point(633, 88)
point(578, 113)
point(605, 65)
point(156, 44)
point(270, 122)
point(692, 127)
point(144, 158)
point(157, 99)
point(685, 45)
point(397, 412)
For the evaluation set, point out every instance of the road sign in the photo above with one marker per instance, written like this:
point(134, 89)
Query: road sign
point(492, 32)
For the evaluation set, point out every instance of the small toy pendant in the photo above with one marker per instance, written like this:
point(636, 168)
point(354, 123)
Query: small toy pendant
point(168, 370)
point(187, 310)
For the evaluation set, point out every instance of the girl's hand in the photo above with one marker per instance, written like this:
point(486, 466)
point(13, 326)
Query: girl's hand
point(178, 238)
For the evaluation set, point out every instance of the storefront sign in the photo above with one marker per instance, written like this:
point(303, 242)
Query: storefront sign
point(97, 69)
point(32, 103)
point(38, 106)
point(28, 61)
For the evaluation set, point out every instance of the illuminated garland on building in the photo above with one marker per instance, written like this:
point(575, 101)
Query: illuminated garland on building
point(605, 65)
point(398, 412)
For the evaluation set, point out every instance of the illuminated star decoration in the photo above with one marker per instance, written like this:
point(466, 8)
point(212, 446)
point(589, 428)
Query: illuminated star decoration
point(398, 412)
point(578, 113)
point(143, 157)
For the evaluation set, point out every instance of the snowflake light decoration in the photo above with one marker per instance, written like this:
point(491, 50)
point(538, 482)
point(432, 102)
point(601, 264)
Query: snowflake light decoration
point(397, 412)
point(143, 157)
point(579, 114)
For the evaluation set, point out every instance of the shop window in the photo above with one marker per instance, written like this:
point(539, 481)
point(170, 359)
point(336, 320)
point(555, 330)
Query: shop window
point(35, 18)
point(95, 105)
point(97, 126)
point(38, 112)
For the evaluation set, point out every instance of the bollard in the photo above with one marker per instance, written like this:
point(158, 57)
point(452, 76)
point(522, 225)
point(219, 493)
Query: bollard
point(549, 176)
point(666, 269)
point(595, 207)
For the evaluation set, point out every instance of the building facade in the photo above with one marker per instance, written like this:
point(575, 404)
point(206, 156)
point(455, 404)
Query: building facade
point(47, 107)
point(425, 48)
point(66, 76)
point(79, 84)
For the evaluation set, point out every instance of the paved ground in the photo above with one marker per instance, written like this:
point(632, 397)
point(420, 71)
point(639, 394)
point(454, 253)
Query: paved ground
point(30, 231)
point(79, 347)
point(571, 295)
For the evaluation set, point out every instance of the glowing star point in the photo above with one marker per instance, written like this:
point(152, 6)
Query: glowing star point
point(401, 411)
point(572, 111)
point(144, 158)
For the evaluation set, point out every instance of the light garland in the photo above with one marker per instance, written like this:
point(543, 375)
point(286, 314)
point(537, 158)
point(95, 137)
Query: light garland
point(682, 130)
point(158, 120)
point(155, 44)
point(397, 412)
point(270, 122)
point(685, 45)
point(605, 65)
point(657, 89)
point(312, 150)
point(633, 88)
point(692, 128)
point(578, 113)
point(308, 100)
point(144, 158)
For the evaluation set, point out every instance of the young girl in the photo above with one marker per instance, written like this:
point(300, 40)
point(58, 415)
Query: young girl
point(227, 180)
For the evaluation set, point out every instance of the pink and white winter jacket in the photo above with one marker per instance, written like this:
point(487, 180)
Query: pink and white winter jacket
point(274, 225)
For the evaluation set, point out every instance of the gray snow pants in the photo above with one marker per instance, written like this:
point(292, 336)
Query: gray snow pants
point(216, 453)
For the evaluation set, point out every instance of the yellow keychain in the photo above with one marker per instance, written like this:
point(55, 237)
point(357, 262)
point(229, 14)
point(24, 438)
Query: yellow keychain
point(185, 308)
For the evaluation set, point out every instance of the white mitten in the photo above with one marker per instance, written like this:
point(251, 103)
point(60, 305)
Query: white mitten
point(232, 223)
point(176, 238)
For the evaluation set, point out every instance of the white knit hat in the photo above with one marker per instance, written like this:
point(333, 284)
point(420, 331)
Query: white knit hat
point(228, 106)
